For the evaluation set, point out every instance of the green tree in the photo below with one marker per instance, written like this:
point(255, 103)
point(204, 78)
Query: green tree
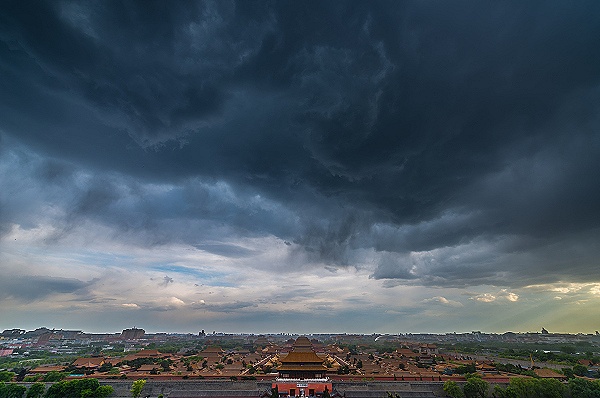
point(475, 387)
point(103, 392)
point(532, 388)
point(137, 387)
point(552, 388)
point(54, 376)
point(326, 393)
point(462, 369)
point(6, 376)
point(568, 372)
point(523, 387)
point(20, 373)
point(580, 370)
point(500, 392)
point(106, 367)
point(36, 390)
point(582, 388)
point(11, 390)
point(452, 389)
point(274, 392)
point(166, 365)
point(81, 388)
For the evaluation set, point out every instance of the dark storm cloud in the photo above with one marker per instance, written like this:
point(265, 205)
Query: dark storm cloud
point(226, 250)
point(459, 142)
point(35, 287)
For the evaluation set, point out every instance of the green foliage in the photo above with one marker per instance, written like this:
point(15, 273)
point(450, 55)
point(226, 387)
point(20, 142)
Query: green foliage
point(11, 390)
point(54, 376)
point(193, 359)
point(106, 367)
point(475, 387)
point(568, 349)
point(532, 388)
point(462, 369)
point(568, 372)
point(36, 390)
point(453, 390)
point(580, 370)
point(510, 368)
point(540, 352)
point(500, 392)
point(6, 376)
point(20, 373)
point(80, 388)
point(551, 388)
point(582, 388)
point(137, 387)
point(136, 363)
point(166, 364)
point(103, 392)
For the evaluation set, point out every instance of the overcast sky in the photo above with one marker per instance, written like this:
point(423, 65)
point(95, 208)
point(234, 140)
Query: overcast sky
point(300, 166)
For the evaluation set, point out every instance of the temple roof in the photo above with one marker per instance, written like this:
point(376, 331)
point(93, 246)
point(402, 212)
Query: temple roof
point(302, 343)
point(302, 357)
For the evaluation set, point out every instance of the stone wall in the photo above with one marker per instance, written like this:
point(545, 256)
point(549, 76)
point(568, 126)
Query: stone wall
point(154, 388)
point(391, 386)
point(375, 388)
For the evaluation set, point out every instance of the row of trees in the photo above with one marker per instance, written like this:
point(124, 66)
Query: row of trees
point(82, 388)
point(79, 388)
point(519, 387)
point(475, 387)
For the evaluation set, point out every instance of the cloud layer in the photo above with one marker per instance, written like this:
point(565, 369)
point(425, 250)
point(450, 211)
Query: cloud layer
point(405, 145)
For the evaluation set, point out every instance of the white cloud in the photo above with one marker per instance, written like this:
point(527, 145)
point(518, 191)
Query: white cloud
point(176, 301)
point(443, 301)
point(510, 296)
point(485, 298)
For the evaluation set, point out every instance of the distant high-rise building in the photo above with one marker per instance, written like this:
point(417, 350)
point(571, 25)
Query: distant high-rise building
point(12, 333)
point(132, 334)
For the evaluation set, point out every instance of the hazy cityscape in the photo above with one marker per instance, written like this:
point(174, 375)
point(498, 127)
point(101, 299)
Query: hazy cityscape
point(296, 365)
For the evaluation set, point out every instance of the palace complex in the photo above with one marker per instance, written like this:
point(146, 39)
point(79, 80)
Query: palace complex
point(302, 372)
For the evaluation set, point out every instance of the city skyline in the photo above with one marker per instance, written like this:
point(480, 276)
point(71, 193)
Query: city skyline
point(359, 167)
point(136, 333)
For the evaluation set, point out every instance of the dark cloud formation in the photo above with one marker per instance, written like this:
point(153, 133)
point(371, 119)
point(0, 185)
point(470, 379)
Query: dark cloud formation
point(457, 142)
point(36, 287)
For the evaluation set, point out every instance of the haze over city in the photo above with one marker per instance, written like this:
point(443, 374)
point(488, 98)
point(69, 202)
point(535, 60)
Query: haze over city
point(304, 167)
